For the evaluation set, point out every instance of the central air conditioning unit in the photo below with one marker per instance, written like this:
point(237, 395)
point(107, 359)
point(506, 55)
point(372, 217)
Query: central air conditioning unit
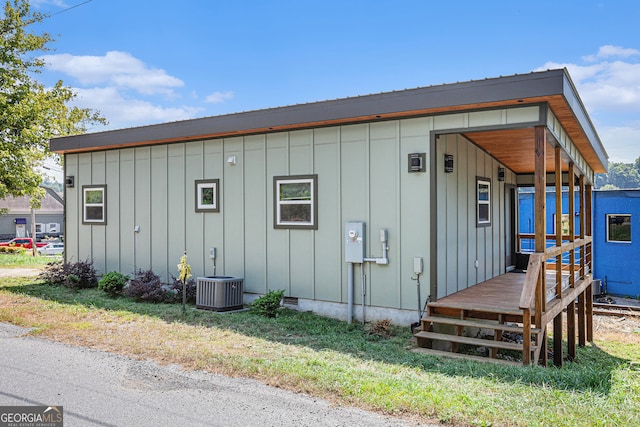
point(220, 293)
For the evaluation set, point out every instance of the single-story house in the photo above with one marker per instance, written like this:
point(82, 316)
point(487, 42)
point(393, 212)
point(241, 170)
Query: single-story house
point(341, 203)
point(49, 218)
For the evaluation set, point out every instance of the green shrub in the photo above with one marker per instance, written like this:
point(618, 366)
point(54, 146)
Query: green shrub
point(77, 275)
point(113, 283)
point(268, 305)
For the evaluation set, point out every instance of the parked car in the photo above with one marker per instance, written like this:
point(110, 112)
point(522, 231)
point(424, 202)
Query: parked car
point(55, 248)
point(23, 242)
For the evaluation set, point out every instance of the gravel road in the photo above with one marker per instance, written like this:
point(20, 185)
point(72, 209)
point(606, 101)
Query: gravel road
point(96, 388)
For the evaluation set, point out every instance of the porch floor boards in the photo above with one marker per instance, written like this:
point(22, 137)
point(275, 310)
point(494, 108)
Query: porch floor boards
point(498, 295)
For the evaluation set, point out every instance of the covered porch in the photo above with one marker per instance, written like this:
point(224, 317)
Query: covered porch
point(507, 304)
point(561, 153)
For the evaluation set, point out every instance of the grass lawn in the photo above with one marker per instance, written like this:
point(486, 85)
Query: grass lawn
point(343, 363)
point(26, 260)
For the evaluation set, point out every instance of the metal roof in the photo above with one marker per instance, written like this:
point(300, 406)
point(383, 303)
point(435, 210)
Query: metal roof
point(553, 86)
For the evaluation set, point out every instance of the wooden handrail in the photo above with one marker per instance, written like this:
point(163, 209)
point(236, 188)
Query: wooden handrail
point(566, 247)
point(554, 251)
point(530, 236)
point(531, 280)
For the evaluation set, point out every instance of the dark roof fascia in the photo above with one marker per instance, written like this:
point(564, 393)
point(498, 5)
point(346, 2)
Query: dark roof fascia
point(521, 86)
point(580, 112)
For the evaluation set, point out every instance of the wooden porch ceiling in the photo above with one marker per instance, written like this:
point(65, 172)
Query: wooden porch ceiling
point(515, 147)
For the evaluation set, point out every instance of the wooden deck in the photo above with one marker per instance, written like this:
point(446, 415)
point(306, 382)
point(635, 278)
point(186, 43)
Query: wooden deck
point(491, 308)
point(498, 295)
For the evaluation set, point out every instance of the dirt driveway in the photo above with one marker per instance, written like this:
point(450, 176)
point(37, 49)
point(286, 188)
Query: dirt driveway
point(19, 272)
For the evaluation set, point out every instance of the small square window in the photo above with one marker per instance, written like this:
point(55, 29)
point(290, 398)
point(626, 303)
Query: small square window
point(94, 204)
point(295, 201)
point(207, 199)
point(483, 202)
point(619, 228)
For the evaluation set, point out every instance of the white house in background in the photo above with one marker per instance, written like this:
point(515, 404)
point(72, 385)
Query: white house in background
point(289, 195)
point(17, 222)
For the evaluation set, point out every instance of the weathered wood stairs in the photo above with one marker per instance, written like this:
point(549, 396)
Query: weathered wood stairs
point(445, 323)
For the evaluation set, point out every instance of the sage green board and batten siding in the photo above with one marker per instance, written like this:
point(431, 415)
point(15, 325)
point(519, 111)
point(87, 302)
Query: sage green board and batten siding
point(460, 241)
point(153, 188)
point(362, 175)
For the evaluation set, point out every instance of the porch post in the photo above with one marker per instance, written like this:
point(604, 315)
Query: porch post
point(540, 180)
point(572, 224)
point(557, 321)
point(571, 311)
point(582, 222)
point(588, 218)
point(558, 174)
point(587, 293)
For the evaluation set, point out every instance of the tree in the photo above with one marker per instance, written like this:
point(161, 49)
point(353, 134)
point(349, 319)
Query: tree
point(30, 113)
point(620, 176)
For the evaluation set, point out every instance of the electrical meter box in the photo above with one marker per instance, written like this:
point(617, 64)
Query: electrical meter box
point(354, 242)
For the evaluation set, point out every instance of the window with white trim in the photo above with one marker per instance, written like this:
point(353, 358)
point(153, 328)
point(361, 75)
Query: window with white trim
point(94, 204)
point(483, 202)
point(619, 228)
point(207, 195)
point(295, 201)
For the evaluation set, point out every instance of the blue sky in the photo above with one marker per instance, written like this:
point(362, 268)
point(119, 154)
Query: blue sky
point(145, 62)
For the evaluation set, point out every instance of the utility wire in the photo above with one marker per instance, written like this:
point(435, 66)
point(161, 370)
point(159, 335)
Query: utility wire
point(71, 7)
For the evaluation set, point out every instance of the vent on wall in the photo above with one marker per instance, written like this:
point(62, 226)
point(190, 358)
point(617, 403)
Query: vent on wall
point(290, 301)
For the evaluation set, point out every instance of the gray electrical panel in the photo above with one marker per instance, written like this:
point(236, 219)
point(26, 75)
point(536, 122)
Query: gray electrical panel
point(354, 242)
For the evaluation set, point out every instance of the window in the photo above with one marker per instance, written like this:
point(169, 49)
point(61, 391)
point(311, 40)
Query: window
point(295, 201)
point(483, 202)
point(618, 228)
point(93, 204)
point(207, 199)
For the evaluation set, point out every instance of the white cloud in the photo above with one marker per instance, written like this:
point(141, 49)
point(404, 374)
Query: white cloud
point(116, 68)
point(217, 97)
point(608, 51)
point(40, 3)
point(606, 86)
point(609, 86)
point(122, 112)
point(622, 143)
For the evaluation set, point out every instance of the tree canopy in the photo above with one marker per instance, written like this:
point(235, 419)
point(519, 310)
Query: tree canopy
point(620, 176)
point(30, 113)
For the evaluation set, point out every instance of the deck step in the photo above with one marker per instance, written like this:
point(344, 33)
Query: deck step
point(466, 307)
point(475, 324)
point(451, 355)
point(472, 341)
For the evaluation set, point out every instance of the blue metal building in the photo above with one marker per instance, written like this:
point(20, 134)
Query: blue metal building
point(616, 236)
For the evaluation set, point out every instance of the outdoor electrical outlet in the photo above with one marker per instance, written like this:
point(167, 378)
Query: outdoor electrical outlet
point(477, 264)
